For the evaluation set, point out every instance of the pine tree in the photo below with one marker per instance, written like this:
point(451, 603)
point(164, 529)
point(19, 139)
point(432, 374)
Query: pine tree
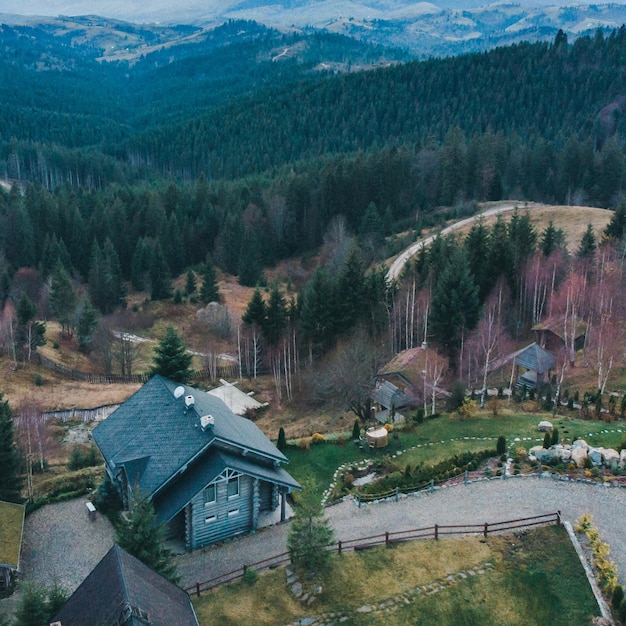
point(317, 313)
point(209, 291)
point(281, 444)
point(552, 238)
point(255, 312)
point(477, 249)
point(143, 538)
point(616, 228)
point(33, 608)
point(10, 479)
point(455, 306)
point(172, 359)
point(275, 317)
point(62, 299)
point(309, 532)
point(587, 244)
point(160, 278)
point(87, 323)
point(190, 283)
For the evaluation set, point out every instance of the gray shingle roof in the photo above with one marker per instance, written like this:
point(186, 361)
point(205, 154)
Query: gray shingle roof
point(535, 358)
point(119, 584)
point(154, 435)
point(388, 396)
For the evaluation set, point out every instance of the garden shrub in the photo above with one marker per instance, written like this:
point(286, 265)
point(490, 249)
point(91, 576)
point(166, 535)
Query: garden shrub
point(304, 443)
point(80, 457)
point(356, 430)
point(617, 596)
point(281, 444)
point(501, 445)
point(317, 438)
point(250, 575)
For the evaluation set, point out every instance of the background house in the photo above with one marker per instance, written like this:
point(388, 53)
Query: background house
point(122, 590)
point(11, 531)
point(209, 473)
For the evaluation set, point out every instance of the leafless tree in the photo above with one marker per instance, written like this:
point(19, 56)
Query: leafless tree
point(338, 242)
point(347, 376)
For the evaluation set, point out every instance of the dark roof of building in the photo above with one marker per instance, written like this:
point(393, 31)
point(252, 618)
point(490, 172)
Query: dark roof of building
point(388, 395)
point(534, 357)
point(155, 433)
point(121, 586)
point(178, 493)
point(11, 531)
point(556, 325)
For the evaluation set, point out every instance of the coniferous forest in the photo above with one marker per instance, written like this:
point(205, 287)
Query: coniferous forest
point(126, 174)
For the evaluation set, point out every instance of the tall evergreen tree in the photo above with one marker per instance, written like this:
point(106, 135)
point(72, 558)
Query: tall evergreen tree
point(275, 317)
point(160, 278)
point(616, 228)
point(87, 323)
point(190, 283)
point(455, 305)
point(476, 246)
point(587, 244)
point(171, 358)
point(143, 538)
point(10, 479)
point(62, 299)
point(255, 312)
point(552, 238)
point(317, 313)
point(351, 293)
point(209, 292)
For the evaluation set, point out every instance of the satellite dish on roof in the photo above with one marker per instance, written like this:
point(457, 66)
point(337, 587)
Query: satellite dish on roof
point(179, 391)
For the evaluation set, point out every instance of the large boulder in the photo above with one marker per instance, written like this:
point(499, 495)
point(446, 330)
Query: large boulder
point(545, 426)
point(595, 454)
point(580, 443)
point(563, 452)
point(579, 455)
point(622, 459)
point(610, 458)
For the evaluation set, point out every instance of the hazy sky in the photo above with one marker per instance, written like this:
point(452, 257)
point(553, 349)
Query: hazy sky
point(190, 11)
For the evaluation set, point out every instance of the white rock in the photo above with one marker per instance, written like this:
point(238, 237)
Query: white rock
point(595, 454)
point(610, 457)
point(580, 443)
point(578, 456)
point(622, 458)
point(544, 426)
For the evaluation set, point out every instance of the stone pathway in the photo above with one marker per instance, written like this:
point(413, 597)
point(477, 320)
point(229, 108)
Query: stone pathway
point(393, 602)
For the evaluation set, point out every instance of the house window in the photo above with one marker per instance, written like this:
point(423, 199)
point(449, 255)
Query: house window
point(209, 495)
point(210, 518)
point(233, 512)
point(233, 487)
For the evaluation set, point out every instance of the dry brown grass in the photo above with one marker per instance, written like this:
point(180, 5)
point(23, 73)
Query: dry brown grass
point(573, 220)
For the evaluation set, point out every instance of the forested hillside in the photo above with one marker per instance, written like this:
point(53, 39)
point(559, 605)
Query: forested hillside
point(129, 174)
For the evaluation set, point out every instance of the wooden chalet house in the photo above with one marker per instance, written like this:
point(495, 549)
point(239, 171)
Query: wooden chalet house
point(209, 473)
point(122, 591)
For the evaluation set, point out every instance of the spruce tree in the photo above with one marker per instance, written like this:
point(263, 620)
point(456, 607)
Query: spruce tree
point(10, 479)
point(87, 322)
point(275, 317)
point(160, 278)
point(209, 292)
point(616, 228)
point(190, 283)
point(143, 538)
point(309, 532)
point(172, 359)
point(587, 244)
point(255, 312)
point(62, 299)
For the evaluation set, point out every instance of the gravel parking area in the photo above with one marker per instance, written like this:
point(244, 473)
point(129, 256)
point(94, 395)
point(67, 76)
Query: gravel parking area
point(62, 544)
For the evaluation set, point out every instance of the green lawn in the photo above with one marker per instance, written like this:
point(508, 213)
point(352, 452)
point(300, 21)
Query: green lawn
point(533, 577)
point(441, 438)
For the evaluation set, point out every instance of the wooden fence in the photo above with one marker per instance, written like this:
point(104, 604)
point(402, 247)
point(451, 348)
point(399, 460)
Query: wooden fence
point(387, 539)
point(212, 373)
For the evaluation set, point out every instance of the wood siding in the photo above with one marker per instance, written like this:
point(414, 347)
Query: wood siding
point(223, 518)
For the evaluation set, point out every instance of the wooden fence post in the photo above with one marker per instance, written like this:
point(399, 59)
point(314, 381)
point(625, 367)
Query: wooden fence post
point(436, 532)
point(486, 531)
point(198, 589)
point(465, 479)
point(558, 518)
point(397, 491)
point(339, 547)
point(387, 539)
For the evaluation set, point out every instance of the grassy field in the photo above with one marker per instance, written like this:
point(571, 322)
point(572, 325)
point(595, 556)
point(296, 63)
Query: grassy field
point(446, 436)
point(532, 577)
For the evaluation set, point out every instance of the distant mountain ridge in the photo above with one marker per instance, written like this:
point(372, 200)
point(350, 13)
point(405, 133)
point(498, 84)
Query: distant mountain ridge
point(443, 27)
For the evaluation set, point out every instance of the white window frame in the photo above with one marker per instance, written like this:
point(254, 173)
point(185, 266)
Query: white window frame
point(210, 519)
point(206, 489)
point(233, 512)
point(232, 496)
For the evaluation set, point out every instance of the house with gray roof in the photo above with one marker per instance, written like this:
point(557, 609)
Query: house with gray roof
point(209, 473)
point(121, 590)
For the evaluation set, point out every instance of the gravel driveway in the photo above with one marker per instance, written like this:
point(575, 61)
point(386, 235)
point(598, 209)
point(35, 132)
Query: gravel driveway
point(475, 503)
point(60, 542)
